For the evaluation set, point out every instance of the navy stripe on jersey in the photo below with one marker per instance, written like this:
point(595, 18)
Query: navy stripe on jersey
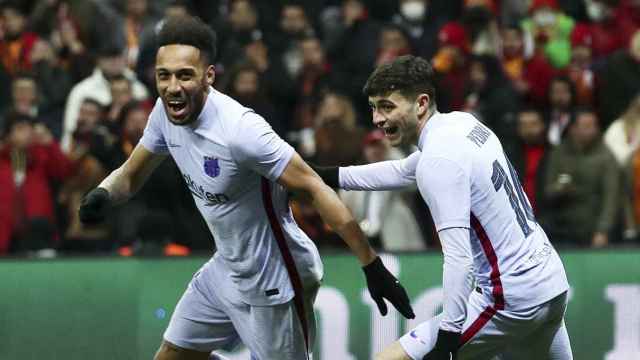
point(487, 247)
point(289, 263)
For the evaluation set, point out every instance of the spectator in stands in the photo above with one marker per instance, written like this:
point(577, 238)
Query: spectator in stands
point(294, 26)
point(243, 84)
point(549, 29)
point(136, 17)
point(529, 154)
point(623, 139)
point(627, 16)
point(393, 42)
point(273, 77)
point(30, 160)
point(561, 104)
point(530, 76)
point(580, 70)
point(450, 65)
point(421, 21)
point(16, 41)
point(111, 63)
point(24, 95)
point(338, 138)
point(352, 46)
point(121, 94)
point(620, 81)
point(478, 18)
point(238, 29)
point(385, 216)
point(582, 186)
point(315, 78)
point(63, 49)
point(623, 135)
point(603, 28)
point(490, 96)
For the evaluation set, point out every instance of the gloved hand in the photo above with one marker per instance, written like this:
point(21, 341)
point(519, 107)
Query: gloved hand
point(382, 284)
point(446, 346)
point(94, 206)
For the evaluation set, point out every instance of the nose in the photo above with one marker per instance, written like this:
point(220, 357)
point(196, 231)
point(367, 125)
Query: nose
point(378, 119)
point(173, 86)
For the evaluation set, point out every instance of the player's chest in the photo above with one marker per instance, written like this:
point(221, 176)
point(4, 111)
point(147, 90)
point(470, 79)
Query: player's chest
point(210, 172)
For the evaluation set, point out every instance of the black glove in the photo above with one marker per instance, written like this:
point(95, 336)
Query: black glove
point(382, 284)
point(94, 206)
point(446, 346)
point(329, 174)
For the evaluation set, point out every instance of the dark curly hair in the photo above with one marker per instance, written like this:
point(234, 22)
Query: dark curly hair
point(410, 75)
point(189, 30)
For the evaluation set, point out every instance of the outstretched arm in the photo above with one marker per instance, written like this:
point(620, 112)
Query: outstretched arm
point(298, 176)
point(126, 180)
point(384, 175)
point(120, 185)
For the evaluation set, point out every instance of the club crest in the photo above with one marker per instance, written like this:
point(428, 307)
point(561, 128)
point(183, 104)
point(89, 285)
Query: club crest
point(211, 166)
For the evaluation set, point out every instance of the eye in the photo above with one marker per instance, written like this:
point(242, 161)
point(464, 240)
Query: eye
point(185, 77)
point(386, 107)
point(163, 76)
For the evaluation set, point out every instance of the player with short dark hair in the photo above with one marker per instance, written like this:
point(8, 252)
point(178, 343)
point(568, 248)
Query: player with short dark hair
point(260, 285)
point(516, 303)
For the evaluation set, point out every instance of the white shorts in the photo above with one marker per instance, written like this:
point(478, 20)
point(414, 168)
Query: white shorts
point(536, 333)
point(206, 320)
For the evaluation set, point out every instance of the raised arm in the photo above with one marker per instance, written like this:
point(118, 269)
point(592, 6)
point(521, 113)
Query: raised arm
point(299, 177)
point(384, 175)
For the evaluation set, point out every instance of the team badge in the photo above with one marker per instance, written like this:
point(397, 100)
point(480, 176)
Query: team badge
point(211, 166)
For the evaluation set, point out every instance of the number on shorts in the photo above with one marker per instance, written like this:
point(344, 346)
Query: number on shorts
point(516, 196)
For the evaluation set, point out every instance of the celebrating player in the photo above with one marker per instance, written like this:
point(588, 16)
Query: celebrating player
point(260, 285)
point(484, 221)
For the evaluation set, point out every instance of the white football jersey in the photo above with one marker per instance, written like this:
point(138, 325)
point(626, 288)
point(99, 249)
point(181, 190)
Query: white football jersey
point(471, 184)
point(230, 159)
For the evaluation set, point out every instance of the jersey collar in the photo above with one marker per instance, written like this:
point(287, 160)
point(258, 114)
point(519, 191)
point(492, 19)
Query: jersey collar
point(423, 134)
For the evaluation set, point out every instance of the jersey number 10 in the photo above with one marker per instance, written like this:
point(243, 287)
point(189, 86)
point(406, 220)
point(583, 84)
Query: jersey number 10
point(517, 198)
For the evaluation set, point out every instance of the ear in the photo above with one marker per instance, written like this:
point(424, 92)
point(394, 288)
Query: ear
point(210, 74)
point(424, 102)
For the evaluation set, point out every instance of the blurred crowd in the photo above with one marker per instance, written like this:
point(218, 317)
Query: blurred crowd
point(557, 80)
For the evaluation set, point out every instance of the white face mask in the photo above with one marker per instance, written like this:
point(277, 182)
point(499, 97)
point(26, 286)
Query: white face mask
point(413, 10)
point(544, 17)
point(595, 11)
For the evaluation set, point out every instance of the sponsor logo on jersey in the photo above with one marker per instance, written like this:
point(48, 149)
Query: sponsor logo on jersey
point(211, 166)
point(198, 191)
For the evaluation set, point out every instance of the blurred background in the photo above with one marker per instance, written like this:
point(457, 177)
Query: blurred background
point(557, 80)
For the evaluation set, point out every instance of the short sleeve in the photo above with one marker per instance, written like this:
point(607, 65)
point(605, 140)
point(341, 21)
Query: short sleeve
point(256, 146)
point(446, 188)
point(153, 137)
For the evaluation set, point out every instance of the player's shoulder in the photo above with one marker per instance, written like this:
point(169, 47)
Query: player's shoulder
point(449, 134)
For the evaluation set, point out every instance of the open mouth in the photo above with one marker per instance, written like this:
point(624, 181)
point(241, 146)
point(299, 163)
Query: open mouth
point(177, 108)
point(391, 130)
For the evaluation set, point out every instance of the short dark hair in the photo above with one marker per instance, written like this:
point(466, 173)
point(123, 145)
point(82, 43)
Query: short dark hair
point(410, 75)
point(13, 118)
point(94, 102)
point(189, 30)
